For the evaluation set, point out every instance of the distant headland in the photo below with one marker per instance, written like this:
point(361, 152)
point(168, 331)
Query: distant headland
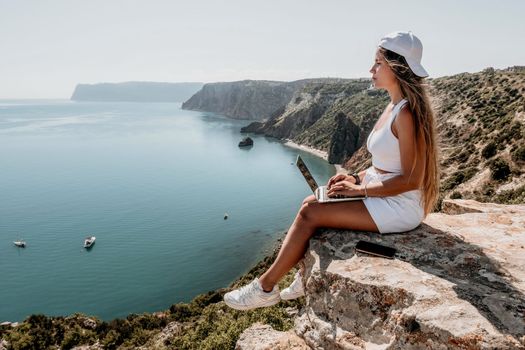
point(136, 91)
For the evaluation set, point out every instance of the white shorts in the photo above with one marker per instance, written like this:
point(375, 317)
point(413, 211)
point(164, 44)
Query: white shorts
point(399, 213)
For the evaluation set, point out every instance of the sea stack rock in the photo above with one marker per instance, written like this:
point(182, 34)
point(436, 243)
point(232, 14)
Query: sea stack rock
point(247, 141)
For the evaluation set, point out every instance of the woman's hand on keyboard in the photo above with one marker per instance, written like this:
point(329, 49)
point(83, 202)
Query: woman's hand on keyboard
point(334, 179)
point(344, 188)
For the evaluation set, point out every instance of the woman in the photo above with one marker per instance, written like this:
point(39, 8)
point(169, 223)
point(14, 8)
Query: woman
point(400, 187)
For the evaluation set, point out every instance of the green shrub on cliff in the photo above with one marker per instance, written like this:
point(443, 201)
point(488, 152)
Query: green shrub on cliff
point(518, 155)
point(514, 196)
point(499, 169)
point(219, 327)
point(458, 178)
point(37, 332)
point(111, 340)
point(456, 195)
point(76, 336)
point(489, 150)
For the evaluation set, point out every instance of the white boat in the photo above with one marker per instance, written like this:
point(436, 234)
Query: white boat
point(89, 241)
point(20, 243)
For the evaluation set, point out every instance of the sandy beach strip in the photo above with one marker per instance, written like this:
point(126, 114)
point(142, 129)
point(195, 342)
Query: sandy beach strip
point(316, 152)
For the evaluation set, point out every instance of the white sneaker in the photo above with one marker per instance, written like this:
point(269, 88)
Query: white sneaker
point(252, 296)
point(295, 290)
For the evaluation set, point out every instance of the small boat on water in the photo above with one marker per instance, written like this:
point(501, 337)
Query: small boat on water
point(89, 241)
point(20, 243)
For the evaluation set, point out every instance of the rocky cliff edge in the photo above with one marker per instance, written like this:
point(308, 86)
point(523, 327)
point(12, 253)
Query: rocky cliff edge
point(458, 282)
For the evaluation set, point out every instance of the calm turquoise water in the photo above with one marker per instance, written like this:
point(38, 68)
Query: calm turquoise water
point(152, 182)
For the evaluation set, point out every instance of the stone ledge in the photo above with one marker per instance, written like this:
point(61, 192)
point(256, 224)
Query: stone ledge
point(462, 206)
point(264, 337)
point(458, 283)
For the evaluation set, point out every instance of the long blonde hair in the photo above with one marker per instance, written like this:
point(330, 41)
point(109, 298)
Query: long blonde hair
point(414, 89)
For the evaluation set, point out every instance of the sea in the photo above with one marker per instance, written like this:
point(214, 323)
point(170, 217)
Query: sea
point(177, 208)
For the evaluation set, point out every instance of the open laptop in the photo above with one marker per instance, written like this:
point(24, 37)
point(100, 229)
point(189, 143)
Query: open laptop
point(320, 192)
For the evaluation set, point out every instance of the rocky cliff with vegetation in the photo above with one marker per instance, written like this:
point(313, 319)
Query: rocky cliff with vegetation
point(135, 91)
point(247, 99)
point(334, 117)
point(481, 126)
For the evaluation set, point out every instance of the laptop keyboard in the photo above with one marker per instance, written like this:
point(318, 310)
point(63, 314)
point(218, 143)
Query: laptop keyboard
point(337, 196)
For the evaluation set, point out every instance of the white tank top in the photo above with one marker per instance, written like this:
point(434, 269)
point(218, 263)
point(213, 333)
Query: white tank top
point(384, 146)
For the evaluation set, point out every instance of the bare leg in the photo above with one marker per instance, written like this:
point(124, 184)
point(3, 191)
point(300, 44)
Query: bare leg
point(312, 215)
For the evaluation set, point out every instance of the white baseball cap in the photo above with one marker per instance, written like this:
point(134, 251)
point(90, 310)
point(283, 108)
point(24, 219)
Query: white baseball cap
point(407, 45)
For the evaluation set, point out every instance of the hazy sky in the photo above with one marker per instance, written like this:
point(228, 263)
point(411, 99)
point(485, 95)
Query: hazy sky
point(48, 46)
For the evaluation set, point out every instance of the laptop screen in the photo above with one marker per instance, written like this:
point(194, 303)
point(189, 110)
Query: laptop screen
point(306, 173)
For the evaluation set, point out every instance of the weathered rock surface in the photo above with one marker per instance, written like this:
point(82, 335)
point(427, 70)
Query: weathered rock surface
point(264, 337)
point(462, 206)
point(458, 282)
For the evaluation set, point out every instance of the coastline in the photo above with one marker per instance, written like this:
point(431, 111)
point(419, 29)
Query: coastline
point(316, 152)
point(139, 213)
